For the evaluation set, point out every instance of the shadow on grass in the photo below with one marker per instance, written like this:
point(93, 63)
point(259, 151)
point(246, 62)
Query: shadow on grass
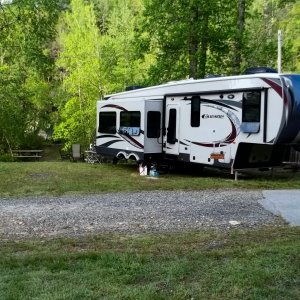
point(191, 170)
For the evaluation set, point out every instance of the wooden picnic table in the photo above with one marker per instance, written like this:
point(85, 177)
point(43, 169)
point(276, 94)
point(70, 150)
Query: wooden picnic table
point(27, 154)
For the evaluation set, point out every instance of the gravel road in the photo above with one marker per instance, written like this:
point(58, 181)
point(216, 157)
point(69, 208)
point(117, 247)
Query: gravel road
point(137, 212)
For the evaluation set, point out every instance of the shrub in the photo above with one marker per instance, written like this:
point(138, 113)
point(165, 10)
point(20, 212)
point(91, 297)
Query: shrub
point(6, 157)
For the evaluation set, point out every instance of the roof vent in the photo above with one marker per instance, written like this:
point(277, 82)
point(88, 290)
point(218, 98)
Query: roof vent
point(133, 87)
point(255, 70)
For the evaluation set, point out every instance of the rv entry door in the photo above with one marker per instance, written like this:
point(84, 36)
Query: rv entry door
point(171, 138)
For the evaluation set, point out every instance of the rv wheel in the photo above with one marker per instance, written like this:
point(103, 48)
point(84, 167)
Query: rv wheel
point(115, 160)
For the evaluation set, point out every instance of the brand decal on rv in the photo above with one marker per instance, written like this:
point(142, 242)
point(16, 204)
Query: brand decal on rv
point(207, 116)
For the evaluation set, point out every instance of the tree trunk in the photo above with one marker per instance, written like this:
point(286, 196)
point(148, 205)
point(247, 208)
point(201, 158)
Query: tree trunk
point(193, 49)
point(203, 47)
point(238, 43)
point(193, 42)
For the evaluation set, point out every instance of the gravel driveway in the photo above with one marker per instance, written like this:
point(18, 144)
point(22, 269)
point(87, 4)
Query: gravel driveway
point(137, 212)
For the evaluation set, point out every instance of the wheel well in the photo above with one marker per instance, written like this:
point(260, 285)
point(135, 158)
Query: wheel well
point(121, 155)
point(132, 157)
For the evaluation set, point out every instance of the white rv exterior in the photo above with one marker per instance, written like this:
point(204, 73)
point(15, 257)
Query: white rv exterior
point(234, 122)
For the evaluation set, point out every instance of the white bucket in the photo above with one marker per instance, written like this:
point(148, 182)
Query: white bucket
point(143, 170)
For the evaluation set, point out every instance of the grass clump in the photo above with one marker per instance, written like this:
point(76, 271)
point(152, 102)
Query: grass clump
point(257, 264)
point(58, 178)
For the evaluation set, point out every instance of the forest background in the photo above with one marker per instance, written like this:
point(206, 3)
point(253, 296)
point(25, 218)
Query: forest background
point(58, 57)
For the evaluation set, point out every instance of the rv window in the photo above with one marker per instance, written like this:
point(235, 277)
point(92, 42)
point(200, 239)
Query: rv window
point(171, 134)
point(107, 122)
point(153, 124)
point(251, 106)
point(195, 111)
point(130, 119)
point(130, 123)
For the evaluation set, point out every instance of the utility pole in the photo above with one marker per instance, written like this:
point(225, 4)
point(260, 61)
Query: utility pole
point(279, 51)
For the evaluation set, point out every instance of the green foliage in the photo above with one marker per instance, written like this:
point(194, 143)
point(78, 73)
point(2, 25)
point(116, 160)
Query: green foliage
point(52, 74)
point(291, 38)
point(6, 157)
point(12, 108)
point(121, 66)
point(188, 40)
point(32, 141)
point(25, 69)
point(264, 20)
point(80, 62)
point(94, 62)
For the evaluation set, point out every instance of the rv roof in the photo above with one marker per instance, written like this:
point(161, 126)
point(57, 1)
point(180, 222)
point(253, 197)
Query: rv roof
point(163, 88)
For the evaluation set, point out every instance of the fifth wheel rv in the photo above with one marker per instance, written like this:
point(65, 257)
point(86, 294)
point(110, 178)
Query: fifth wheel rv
point(237, 122)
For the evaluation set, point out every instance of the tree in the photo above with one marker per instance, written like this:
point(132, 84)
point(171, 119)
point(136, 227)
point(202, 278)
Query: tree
point(238, 43)
point(121, 64)
point(80, 64)
point(97, 56)
point(262, 25)
point(188, 38)
point(26, 28)
point(291, 37)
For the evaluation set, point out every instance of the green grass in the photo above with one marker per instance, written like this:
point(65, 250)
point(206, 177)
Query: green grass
point(57, 178)
point(257, 264)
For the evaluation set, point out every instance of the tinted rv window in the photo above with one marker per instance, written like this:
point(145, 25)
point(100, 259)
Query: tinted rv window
point(251, 107)
point(171, 134)
point(153, 124)
point(107, 122)
point(130, 119)
point(195, 111)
